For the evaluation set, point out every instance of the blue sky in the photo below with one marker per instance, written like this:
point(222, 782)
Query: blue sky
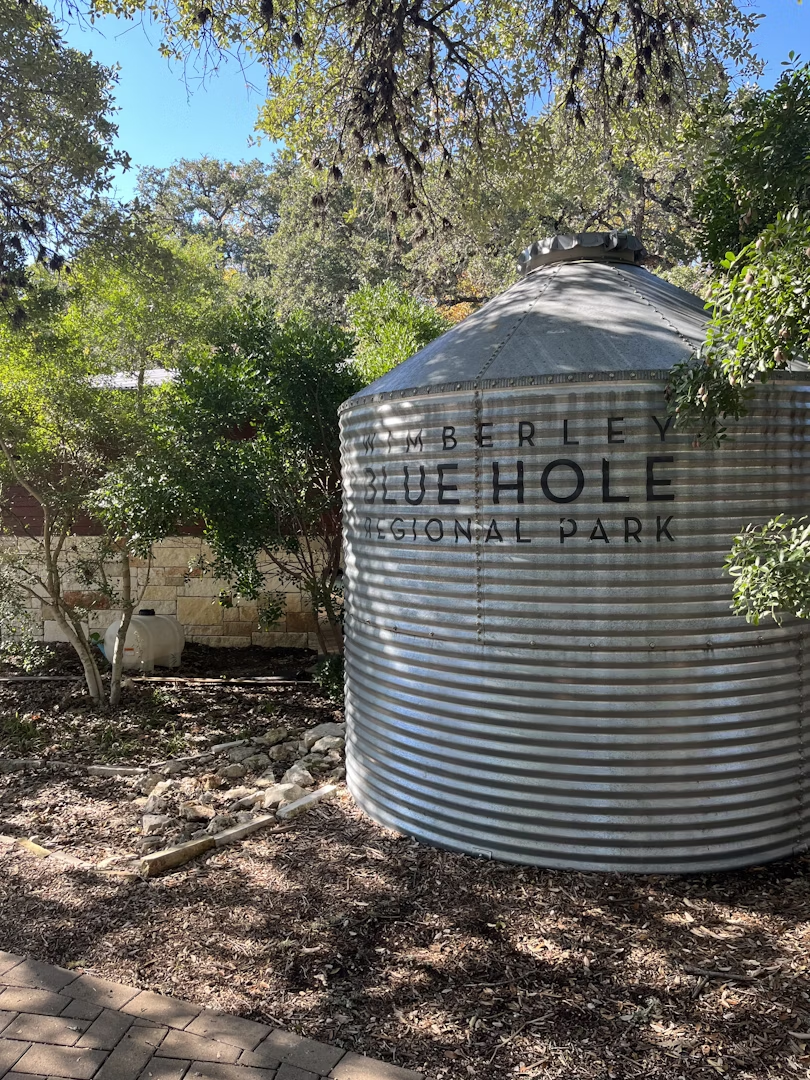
point(166, 113)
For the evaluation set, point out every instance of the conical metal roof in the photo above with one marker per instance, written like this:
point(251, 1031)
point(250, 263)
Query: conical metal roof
point(592, 314)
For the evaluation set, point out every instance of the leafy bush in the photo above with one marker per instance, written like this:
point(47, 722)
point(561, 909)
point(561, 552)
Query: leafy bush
point(328, 674)
point(390, 325)
point(770, 565)
point(760, 323)
point(762, 165)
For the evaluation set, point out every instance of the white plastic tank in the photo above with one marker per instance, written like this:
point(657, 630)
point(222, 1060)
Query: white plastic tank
point(152, 641)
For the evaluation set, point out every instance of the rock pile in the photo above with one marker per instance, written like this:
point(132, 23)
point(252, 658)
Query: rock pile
point(235, 784)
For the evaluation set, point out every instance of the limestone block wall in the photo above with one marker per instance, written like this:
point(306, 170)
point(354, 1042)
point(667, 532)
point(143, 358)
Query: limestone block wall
point(170, 588)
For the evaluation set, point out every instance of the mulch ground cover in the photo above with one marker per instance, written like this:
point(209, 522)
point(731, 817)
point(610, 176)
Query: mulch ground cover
point(348, 932)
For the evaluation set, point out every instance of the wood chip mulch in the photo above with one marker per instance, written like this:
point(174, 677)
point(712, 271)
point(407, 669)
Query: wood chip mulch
point(347, 932)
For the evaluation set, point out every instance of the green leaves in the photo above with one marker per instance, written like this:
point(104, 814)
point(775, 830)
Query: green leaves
point(758, 188)
point(761, 167)
point(390, 325)
point(395, 91)
point(760, 323)
point(770, 565)
point(761, 304)
point(56, 150)
point(254, 433)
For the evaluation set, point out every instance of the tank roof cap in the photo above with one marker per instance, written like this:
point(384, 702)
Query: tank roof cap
point(615, 246)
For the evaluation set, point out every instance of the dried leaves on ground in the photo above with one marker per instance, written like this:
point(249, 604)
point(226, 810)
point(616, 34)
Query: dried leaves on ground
point(347, 932)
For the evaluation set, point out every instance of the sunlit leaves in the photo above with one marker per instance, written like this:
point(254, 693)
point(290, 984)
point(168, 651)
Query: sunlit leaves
point(390, 325)
point(398, 87)
point(56, 135)
point(762, 166)
point(770, 565)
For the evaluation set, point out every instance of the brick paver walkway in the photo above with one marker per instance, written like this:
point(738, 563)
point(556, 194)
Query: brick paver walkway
point(58, 1024)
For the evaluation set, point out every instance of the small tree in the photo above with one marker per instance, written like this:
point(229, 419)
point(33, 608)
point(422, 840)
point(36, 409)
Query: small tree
point(77, 415)
point(58, 435)
point(253, 433)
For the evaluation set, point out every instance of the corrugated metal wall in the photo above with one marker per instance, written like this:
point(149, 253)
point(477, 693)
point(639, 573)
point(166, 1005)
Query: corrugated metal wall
point(567, 686)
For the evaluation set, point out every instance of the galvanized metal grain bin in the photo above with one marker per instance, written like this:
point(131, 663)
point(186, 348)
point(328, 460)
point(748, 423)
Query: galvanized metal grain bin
point(541, 661)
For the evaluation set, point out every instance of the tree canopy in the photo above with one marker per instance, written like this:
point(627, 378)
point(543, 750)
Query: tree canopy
point(77, 438)
point(761, 165)
point(234, 205)
point(56, 142)
point(397, 88)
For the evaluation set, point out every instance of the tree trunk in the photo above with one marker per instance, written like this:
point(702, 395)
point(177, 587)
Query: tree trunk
point(84, 650)
point(121, 637)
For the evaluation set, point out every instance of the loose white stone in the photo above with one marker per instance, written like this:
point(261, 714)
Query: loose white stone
point(293, 809)
point(280, 794)
point(321, 731)
point(239, 753)
point(149, 783)
point(270, 738)
point(192, 811)
point(234, 793)
point(285, 751)
point(218, 823)
point(328, 742)
point(176, 766)
point(247, 801)
point(256, 762)
point(298, 774)
point(153, 824)
point(154, 804)
point(232, 772)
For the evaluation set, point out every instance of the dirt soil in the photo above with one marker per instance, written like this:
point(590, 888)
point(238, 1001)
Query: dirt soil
point(347, 932)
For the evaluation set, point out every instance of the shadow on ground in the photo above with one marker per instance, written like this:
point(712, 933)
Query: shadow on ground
point(347, 932)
